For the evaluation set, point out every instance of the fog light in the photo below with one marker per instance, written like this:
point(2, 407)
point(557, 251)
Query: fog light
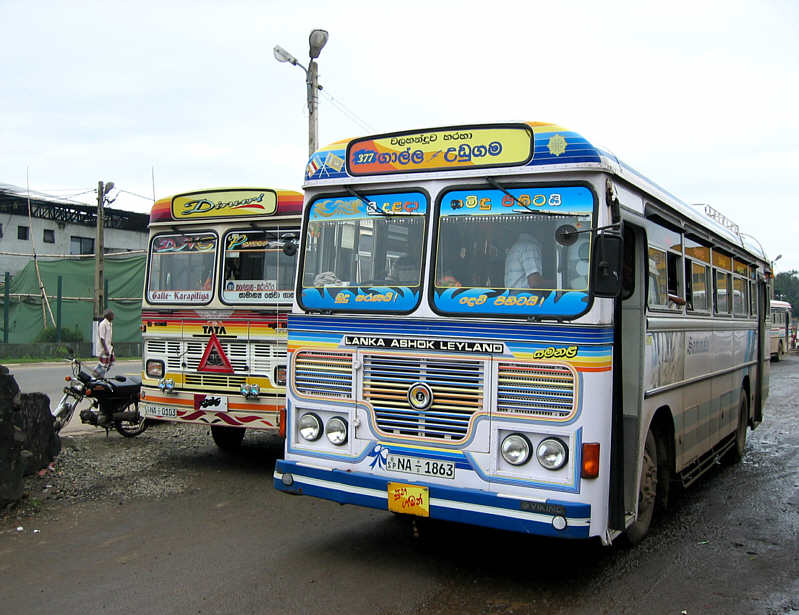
point(167, 385)
point(255, 390)
point(516, 449)
point(310, 427)
point(287, 479)
point(336, 431)
point(552, 454)
point(559, 523)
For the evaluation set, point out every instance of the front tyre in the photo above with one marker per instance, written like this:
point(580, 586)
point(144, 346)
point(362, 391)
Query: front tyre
point(647, 491)
point(63, 412)
point(129, 429)
point(227, 438)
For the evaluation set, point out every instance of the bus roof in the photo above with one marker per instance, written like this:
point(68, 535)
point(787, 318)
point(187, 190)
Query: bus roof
point(780, 305)
point(492, 149)
point(226, 203)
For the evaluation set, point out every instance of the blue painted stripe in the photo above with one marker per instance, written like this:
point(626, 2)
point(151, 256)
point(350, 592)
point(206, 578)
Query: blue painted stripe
point(451, 495)
point(300, 324)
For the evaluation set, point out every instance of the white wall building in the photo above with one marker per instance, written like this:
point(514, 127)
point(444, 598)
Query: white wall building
point(61, 228)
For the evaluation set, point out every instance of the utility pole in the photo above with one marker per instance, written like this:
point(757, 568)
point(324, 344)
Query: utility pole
point(313, 105)
point(99, 250)
point(99, 262)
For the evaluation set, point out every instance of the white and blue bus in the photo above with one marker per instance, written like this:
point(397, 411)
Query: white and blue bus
point(505, 325)
point(779, 333)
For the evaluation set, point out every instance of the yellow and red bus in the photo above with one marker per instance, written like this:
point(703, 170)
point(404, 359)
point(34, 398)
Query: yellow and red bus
point(220, 270)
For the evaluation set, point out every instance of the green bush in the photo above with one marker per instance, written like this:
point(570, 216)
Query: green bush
point(50, 335)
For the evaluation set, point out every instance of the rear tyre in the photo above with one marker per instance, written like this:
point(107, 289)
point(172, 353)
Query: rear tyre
point(736, 453)
point(129, 429)
point(647, 491)
point(227, 438)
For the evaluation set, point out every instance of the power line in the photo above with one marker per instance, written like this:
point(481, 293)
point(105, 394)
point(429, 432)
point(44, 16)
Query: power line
point(146, 198)
point(348, 112)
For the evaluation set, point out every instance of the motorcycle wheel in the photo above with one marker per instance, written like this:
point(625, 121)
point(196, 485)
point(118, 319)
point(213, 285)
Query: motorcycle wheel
point(63, 412)
point(129, 429)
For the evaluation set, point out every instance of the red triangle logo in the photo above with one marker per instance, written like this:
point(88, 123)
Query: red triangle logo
point(214, 358)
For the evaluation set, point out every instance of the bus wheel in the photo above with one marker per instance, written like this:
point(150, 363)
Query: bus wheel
point(735, 454)
point(647, 491)
point(227, 438)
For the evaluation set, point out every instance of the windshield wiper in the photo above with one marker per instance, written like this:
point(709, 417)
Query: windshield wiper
point(495, 184)
point(371, 206)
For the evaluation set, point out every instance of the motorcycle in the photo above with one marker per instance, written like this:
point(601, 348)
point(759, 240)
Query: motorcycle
point(115, 401)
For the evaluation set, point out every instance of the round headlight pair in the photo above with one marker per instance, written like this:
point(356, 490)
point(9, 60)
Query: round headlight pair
point(310, 428)
point(551, 453)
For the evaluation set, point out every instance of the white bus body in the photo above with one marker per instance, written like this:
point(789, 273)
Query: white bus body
point(444, 391)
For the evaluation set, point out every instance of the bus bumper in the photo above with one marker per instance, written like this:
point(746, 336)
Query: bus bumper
point(448, 503)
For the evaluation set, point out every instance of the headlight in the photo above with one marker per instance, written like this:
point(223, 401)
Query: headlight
point(310, 427)
point(336, 431)
point(280, 375)
point(516, 449)
point(154, 368)
point(552, 454)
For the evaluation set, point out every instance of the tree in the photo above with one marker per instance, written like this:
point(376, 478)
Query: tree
point(786, 288)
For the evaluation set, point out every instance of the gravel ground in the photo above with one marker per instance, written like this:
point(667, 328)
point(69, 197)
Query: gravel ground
point(92, 467)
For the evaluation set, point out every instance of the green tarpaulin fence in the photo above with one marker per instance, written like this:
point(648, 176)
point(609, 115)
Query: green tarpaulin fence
point(125, 277)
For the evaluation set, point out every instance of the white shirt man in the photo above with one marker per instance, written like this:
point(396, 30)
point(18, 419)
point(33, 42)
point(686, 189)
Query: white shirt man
point(105, 350)
point(523, 264)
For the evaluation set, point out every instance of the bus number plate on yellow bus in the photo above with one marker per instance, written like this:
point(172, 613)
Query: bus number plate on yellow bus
point(409, 499)
point(159, 411)
point(423, 467)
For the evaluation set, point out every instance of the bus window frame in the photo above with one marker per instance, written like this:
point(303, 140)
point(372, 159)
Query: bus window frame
point(300, 270)
point(176, 230)
point(432, 261)
point(221, 281)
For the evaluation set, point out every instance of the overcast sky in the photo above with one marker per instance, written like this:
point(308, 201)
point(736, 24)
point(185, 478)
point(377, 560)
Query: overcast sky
point(699, 96)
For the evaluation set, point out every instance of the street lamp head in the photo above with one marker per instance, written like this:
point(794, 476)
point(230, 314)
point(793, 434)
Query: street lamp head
point(316, 41)
point(779, 256)
point(281, 55)
point(108, 187)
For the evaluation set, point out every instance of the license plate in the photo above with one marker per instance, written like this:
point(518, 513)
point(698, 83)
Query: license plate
point(160, 411)
point(422, 467)
point(409, 499)
point(217, 403)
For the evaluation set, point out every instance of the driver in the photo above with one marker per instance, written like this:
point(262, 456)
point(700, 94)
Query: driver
point(523, 265)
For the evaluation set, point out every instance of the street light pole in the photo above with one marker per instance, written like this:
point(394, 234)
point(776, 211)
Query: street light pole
point(313, 104)
point(316, 41)
point(99, 249)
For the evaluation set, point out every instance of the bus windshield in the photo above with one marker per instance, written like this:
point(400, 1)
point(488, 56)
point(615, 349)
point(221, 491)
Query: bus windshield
point(364, 253)
point(256, 269)
point(182, 268)
point(503, 252)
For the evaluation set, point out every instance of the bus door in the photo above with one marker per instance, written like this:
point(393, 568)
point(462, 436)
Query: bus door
point(632, 327)
point(763, 352)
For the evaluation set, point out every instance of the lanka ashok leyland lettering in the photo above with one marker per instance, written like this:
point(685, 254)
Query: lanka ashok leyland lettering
point(503, 325)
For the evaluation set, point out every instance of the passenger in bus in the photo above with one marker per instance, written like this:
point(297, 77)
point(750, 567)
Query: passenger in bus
point(524, 265)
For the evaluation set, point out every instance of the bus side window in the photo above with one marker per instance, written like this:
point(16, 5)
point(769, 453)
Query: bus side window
point(657, 277)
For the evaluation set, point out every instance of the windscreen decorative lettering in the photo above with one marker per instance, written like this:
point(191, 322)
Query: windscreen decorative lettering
point(364, 254)
point(517, 252)
point(437, 150)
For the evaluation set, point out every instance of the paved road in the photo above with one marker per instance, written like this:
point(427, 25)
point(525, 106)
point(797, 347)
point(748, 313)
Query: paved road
point(48, 378)
point(227, 542)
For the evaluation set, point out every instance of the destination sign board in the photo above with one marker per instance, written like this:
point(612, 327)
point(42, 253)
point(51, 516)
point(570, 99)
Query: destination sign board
point(441, 149)
point(224, 203)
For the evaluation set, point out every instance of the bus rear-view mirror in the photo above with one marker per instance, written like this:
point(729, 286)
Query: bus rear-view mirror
point(606, 266)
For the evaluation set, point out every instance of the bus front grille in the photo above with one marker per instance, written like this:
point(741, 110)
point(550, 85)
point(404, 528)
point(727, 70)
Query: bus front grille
point(536, 389)
point(214, 381)
point(456, 384)
point(323, 374)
